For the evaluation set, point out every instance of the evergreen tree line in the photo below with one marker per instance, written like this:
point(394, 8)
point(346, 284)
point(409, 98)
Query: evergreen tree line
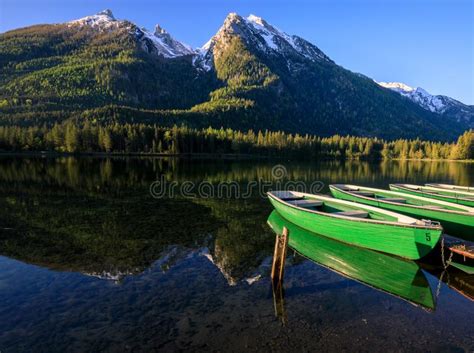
point(143, 138)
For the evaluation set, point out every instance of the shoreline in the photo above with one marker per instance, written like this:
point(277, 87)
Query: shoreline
point(223, 156)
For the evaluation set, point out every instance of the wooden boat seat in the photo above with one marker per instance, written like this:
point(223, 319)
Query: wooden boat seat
point(306, 203)
point(288, 196)
point(364, 193)
point(434, 206)
point(394, 199)
point(355, 213)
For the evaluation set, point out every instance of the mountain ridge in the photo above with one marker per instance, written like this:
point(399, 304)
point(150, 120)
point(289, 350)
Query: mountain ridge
point(250, 75)
point(440, 104)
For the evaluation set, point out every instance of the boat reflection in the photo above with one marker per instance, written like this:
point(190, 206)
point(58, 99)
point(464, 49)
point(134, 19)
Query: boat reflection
point(393, 275)
point(456, 279)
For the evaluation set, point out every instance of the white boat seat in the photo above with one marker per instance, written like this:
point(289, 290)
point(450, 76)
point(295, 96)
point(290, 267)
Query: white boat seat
point(364, 193)
point(394, 199)
point(355, 213)
point(434, 206)
point(413, 187)
point(306, 203)
point(346, 188)
point(287, 195)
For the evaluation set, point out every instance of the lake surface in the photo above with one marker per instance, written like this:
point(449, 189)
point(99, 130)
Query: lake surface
point(116, 255)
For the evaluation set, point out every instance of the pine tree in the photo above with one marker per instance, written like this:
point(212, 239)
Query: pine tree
point(71, 139)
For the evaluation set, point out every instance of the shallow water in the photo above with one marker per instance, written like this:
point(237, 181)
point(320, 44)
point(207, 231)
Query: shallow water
point(91, 261)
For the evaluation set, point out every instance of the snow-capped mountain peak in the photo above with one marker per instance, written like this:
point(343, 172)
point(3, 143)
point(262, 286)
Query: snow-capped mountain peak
point(258, 20)
point(159, 30)
point(102, 19)
point(159, 43)
point(396, 86)
point(435, 103)
point(259, 23)
point(107, 12)
point(258, 33)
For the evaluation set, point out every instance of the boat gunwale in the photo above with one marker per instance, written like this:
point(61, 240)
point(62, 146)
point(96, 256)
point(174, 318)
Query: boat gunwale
point(451, 187)
point(454, 197)
point(363, 220)
point(461, 213)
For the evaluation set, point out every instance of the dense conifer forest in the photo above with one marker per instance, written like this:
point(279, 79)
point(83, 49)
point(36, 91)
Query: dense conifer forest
point(153, 139)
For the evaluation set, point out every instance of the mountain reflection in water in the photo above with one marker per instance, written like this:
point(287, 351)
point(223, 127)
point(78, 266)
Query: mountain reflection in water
point(91, 262)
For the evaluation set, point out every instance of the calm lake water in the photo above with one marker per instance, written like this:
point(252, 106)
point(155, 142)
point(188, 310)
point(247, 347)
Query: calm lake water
point(91, 262)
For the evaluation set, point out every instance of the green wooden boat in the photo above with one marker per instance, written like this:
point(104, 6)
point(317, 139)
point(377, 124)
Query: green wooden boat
point(455, 196)
point(358, 224)
point(390, 274)
point(456, 219)
point(469, 189)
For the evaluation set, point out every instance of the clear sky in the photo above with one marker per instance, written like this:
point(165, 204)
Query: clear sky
point(426, 43)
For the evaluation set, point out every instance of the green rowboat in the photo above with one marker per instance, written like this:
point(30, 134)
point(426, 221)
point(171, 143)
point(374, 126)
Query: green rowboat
point(393, 275)
point(455, 196)
point(456, 219)
point(469, 189)
point(358, 224)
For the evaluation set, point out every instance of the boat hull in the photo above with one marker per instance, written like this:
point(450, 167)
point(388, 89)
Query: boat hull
point(393, 238)
point(441, 197)
point(458, 224)
point(399, 277)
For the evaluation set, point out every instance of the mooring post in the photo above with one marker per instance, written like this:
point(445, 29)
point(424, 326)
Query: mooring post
point(279, 255)
point(278, 270)
point(279, 302)
point(275, 256)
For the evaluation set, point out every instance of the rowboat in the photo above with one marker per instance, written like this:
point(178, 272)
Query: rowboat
point(460, 197)
point(358, 224)
point(390, 274)
point(452, 187)
point(456, 219)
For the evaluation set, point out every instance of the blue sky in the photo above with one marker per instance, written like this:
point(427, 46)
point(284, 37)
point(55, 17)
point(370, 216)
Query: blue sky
point(426, 43)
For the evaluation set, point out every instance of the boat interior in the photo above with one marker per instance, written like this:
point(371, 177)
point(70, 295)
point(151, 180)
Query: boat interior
point(333, 206)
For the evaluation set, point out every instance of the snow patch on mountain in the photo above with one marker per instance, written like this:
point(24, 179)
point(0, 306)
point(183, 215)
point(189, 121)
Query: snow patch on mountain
point(267, 31)
point(278, 40)
point(164, 44)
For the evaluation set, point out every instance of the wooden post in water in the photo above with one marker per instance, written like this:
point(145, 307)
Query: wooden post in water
point(278, 270)
point(279, 302)
point(279, 255)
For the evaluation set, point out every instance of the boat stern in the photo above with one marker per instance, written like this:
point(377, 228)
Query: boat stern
point(427, 237)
